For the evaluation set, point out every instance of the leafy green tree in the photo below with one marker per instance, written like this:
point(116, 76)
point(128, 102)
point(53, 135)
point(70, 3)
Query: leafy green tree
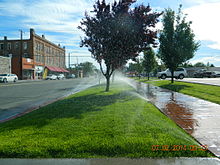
point(87, 68)
point(116, 33)
point(199, 64)
point(131, 67)
point(187, 65)
point(136, 67)
point(139, 67)
point(149, 62)
point(177, 44)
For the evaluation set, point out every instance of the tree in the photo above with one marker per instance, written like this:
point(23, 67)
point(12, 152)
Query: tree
point(186, 65)
point(131, 67)
point(87, 68)
point(116, 33)
point(199, 64)
point(177, 44)
point(136, 67)
point(149, 62)
point(139, 67)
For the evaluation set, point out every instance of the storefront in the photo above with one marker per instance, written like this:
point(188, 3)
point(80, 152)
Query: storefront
point(39, 72)
point(53, 70)
point(28, 74)
point(27, 68)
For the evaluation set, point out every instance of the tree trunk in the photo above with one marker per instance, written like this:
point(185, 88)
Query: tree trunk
point(172, 74)
point(148, 76)
point(113, 77)
point(107, 83)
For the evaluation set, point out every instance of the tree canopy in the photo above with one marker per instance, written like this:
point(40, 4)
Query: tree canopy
point(149, 62)
point(116, 33)
point(177, 44)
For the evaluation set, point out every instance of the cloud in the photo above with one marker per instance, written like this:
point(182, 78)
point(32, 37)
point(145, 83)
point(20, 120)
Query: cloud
point(212, 60)
point(205, 24)
point(54, 16)
point(200, 2)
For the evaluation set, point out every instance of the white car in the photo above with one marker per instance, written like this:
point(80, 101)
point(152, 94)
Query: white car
point(8, 77)
point(71, 76)
point(60, 77)
point(51, 77)
point(180, 73)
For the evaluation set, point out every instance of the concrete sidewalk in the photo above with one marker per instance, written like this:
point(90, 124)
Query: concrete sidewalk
point(113, 161)
point(198, 117)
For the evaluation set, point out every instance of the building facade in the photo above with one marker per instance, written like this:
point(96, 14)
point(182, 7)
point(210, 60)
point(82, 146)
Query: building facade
point(192, 70)
point(5, 65)
point(32, 57)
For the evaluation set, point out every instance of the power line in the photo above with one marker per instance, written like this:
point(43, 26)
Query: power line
point(54, 56)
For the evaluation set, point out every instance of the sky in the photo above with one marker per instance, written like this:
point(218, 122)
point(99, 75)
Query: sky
point(58, 21)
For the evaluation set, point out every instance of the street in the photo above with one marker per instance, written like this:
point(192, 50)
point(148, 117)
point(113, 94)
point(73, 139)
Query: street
point(210, 81)
point(17, 98)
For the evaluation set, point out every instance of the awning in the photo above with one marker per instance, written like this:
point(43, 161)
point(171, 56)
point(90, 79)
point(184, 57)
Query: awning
point(56, 69)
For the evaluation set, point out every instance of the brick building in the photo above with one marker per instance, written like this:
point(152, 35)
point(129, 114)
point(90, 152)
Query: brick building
point(38, 56)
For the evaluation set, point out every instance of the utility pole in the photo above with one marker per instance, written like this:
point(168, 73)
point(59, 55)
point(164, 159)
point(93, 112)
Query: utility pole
point(77, 67)
point(69, 60)
point(21, 52)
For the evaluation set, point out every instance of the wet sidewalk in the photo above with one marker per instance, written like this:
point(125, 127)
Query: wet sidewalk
point(113, 161)
point(198, 117)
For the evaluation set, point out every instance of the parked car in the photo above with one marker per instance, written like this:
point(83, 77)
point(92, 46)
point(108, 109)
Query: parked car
point(217, 74)
point(71, 76)
point(51, 77)
point(60, 77)
point(204, 73)
point(8, 77)
point(180, 73)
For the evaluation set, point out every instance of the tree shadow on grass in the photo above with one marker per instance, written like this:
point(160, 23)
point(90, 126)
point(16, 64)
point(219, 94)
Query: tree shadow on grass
point(73, 107)
point(175, 87)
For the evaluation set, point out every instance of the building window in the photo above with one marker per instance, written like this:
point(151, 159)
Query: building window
point(16, 45)
point(25, 46)
point(42, 47)
point(26, 55)
point(37, 47)
point(37, 58)
point(9, 46)
point(1, 46)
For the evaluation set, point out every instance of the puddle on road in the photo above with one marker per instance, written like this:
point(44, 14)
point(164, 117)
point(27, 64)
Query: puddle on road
point(198, 117)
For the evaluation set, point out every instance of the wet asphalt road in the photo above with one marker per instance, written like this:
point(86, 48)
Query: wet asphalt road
point(16, 98)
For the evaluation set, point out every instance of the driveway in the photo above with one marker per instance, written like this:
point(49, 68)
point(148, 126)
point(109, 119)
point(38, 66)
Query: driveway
point(210, 81)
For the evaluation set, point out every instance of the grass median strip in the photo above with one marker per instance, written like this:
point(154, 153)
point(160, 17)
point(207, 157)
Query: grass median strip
point(206, 92)
point(96, 124)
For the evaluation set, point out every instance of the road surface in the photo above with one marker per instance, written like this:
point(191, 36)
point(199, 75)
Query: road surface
point(17, 98)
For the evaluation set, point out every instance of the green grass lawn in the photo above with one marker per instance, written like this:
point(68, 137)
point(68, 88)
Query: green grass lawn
point(206, 92)
point(95, 124)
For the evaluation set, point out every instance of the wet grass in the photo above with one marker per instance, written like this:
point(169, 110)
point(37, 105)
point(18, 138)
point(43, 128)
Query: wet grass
point(95, 124)
point(206, 92)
